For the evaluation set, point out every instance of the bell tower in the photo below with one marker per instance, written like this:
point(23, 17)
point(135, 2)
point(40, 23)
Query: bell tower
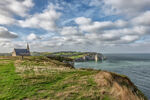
point(28, 47)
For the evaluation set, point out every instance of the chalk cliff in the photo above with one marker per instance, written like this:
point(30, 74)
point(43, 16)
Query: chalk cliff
point(118, 86)
point(90, 57)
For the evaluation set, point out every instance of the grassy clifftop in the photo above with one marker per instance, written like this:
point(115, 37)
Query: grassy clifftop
point(36, 78)
point(69, 54)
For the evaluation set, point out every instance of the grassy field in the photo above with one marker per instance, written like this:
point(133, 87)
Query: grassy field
point(72, 55)
point(29, 79)
point(39, 78)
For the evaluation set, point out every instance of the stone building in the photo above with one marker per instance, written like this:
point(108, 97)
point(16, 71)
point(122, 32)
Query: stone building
point(21, 52)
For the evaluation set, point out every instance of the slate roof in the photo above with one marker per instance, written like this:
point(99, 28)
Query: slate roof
point(22, 52)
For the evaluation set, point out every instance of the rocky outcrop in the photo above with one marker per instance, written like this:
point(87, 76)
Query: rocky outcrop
point(118, 86)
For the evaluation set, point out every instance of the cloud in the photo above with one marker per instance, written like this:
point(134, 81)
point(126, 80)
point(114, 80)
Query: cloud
point(138, 30)
point(4, 33)
point(82, 20)
point(108, 32)
point(124, 35)
point(11, 8)
point(142, 19)
point(96, 3)
point(44, 20)
point(32, 37)
point(15, 7)
point(70, 31)
point(129, 38)
point(75, 25)
point(86, 24)
point(6, 19)
point(128, 7)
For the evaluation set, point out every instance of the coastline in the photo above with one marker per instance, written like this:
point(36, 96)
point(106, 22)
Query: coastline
point(68, 81)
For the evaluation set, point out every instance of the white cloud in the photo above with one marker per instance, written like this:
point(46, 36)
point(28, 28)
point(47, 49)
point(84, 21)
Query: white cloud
point(121, 23)
point(129, 38)
point(4, 33)
point(45, 20)
point(96, 26)
point(70, 31)
point(19, 7)
point(6, 19)
point(83, 20)
point(32, 36)
point(137, 30)
point(110, 36)
point(86, 24)
point(130, 30)
point(11, 8)
point(108, 32)
point(128, 7)
point(143, 19)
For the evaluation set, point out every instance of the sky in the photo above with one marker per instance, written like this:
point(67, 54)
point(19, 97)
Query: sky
point(107, 26)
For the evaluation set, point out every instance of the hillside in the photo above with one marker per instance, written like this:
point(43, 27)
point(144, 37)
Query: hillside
point(70, 54)
point(80, 56)
point(76, 56)
point(36, 78)
point(5, 54)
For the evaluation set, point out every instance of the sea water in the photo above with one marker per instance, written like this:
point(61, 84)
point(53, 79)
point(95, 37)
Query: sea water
point(135, 66)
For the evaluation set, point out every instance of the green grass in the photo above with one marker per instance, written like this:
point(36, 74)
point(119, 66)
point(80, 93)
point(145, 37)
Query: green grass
point(68, 53)
point(8, 80)
point(40, 53)
point(77, 56)
point(72, 55)
point(56, 84)
point(40, 78)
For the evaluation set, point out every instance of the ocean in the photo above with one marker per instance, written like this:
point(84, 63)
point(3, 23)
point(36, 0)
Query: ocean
point(135, 66)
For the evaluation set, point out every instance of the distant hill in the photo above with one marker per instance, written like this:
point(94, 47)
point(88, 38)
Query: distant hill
point(32, 53)
point(76, 56)
point(40, 53)
point(5, 54)
point(80, 56)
